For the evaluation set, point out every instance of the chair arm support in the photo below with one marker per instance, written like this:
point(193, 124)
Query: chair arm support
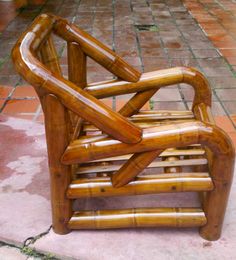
point(152, 81)
point(161, 137)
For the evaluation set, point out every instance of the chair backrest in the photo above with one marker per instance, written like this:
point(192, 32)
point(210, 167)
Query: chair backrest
point(35, 58)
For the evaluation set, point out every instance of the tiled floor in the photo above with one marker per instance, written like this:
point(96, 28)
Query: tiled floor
point(175, 39)
point(198, 33)
point(26, 218)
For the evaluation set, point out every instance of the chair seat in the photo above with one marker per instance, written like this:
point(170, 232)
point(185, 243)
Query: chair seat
point(146, 119)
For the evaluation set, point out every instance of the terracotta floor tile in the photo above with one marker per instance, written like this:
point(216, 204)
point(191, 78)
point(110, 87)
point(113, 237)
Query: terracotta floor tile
point(5, 91)
point(233, 118)
point(224, 123)
point(2, 101)
point(21, 106)
point(24, 92)
point(231, 60)
point(228, 52)
point(232, 135)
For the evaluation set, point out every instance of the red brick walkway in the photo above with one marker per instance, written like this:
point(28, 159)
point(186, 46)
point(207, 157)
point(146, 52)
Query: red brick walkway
point(194, 33)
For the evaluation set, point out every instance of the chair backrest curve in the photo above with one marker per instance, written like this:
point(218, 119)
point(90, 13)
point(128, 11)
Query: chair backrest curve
point(24, 55)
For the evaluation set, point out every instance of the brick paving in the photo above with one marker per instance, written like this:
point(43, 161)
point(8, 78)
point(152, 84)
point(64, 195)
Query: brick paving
point(150, 35)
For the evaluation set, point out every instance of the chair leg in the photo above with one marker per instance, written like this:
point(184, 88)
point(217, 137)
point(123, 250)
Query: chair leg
point(215, 201)
point(57, 134)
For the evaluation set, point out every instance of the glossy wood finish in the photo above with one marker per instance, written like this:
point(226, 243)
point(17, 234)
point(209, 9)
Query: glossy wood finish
point(151, 184)
point(60, 175)
point(94, 151)
point(96, 50)
point(134, 166)
point(142, 217)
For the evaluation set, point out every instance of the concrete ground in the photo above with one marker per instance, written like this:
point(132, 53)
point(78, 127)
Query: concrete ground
point(150, 35)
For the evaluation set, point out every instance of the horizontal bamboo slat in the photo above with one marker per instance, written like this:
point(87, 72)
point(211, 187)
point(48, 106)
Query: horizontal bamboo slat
point(149, 184)
point(166, 153)
point(140, 217)
point(162, 115)
point(112, 168)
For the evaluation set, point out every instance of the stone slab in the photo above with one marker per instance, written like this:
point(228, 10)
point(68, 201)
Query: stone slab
point(24, 182)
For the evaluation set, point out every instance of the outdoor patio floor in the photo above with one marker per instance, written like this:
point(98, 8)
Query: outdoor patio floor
point(200, 34)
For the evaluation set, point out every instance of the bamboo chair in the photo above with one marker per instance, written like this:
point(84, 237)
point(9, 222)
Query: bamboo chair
point(83, 135)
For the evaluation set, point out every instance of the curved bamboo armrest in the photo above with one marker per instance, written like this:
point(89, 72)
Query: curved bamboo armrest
point(77, 100)
point(155, 138)
point(155, 80)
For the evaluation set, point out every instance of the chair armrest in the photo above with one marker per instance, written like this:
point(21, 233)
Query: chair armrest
point(152, 81)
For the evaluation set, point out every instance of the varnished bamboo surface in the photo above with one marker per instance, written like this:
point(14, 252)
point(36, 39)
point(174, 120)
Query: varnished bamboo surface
point(150, 184)
point(162, 137)
point(132, 167)
point(96, 50)
point(94, 134)
point(155, 80)
point(168, 152)
point(96, 168)
point(140, 217)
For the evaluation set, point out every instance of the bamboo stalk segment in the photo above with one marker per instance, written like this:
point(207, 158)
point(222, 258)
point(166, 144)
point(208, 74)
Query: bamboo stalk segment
point(162, 114)
point(77, 74)
point(166, 153)
point(155, 80)
point(221, 170)
point(140, 217)
point(60, 175)
point(142, 124)
point(163, 137)
point(97, 51)
point(136, 102)
point(134, 166)
point(49, 56)
point(150, 184)
point(77, 64)
point(96, 168)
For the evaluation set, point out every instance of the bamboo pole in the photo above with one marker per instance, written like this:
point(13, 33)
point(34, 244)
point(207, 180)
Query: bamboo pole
point(161, 137)
point(134, 166)
point(140, 217)
point(77, 73)
point(49, 56)
point(97, 51)
point(153, 81)
point(221, 171)
point(77, 64)
point(77, 100)
point(60, 175)
point(150, 184)
point(133, 106)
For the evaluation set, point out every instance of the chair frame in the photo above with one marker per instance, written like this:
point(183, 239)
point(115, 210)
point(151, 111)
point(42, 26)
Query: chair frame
point(68, 104)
